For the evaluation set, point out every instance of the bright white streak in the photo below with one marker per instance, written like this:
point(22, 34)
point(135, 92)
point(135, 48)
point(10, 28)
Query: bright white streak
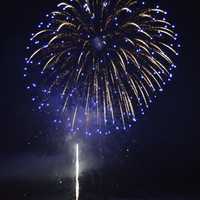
point(77, 171)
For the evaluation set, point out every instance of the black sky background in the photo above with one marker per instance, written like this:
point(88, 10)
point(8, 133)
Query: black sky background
point(164, 145)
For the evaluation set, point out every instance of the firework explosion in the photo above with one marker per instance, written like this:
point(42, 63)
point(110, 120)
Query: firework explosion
point(100, 63)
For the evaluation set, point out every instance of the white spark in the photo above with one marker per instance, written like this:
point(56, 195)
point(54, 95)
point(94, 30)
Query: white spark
point(77, 171)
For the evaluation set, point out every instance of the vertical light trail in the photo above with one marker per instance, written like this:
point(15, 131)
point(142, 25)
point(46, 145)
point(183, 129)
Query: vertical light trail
point(77, 171)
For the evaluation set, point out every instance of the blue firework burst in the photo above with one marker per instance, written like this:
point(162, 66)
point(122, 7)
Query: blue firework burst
point(98, 64)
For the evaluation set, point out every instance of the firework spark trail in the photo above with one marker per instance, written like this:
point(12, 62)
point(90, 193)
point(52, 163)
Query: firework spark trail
point(77, 171)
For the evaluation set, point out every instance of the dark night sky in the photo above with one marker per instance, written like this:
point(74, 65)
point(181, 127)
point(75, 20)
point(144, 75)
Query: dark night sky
point(164, 144)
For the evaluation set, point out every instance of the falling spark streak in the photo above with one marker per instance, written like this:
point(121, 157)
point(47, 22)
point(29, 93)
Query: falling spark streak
point(77, 171)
